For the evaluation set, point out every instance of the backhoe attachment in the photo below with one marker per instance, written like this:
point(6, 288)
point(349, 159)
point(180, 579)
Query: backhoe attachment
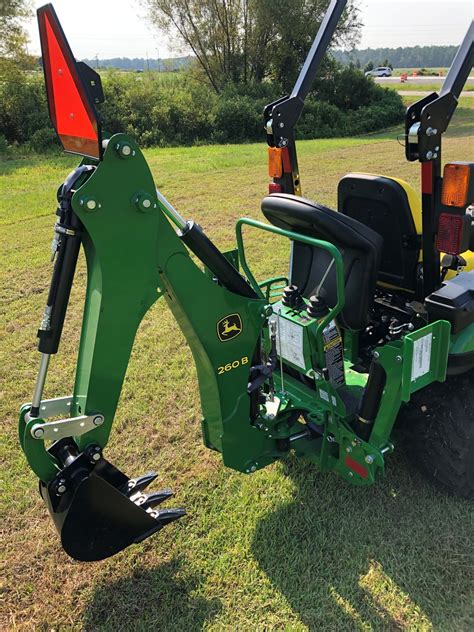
point(99, 511)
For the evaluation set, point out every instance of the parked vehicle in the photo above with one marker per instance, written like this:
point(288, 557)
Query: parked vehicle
point(381, 71)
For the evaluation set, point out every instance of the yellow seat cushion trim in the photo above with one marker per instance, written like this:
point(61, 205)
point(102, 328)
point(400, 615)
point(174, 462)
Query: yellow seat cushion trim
point(414, 202)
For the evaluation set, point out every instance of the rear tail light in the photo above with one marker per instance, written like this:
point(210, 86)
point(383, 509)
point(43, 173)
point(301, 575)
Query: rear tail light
point(278, 161)
point(275, 163)
point(456, 184)
point(273, 187)
point(453, 233)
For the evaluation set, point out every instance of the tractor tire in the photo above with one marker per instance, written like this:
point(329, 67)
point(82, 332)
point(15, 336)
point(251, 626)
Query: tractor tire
point(439, 423)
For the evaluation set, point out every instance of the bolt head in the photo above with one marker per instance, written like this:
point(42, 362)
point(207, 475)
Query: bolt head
point(99, 420)
point(398, 359)
point(38, 433)
point(123, 150)
point(348, 449)
point(144, 202)
point(95, 456)
point(376, 355)
point(91, 204)
point(369, 459)
point(429, 155)
point(61, 486)
point(253, 468)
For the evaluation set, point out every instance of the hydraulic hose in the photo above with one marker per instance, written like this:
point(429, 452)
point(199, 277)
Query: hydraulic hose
point(196, 240)
point(370, 403)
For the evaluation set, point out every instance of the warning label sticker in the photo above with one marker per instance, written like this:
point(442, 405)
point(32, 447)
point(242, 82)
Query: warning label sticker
point(291, 336)
point(421, 357)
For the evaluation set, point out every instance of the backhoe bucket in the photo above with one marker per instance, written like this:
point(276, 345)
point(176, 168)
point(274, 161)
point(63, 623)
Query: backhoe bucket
point(98, 511)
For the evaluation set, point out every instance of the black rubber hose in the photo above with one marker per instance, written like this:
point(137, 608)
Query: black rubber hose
point(196, 240)
point(370, 403)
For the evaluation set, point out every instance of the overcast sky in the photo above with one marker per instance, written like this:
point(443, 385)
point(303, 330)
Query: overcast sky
point(118, 28)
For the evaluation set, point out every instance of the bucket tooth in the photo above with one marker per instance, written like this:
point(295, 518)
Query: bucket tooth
point(148, 501)
point(139, 483)
point(165, 516)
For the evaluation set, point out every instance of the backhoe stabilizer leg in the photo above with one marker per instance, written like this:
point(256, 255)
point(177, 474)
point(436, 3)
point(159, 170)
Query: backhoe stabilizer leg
point(98, 511)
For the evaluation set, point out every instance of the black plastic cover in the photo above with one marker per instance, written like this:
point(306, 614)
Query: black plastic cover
point(454, 302)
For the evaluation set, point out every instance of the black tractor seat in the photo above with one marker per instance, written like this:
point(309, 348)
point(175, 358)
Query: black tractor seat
point(388, 206)
point(359, 246)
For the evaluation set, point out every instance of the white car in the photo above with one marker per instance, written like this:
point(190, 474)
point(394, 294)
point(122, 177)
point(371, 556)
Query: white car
point(381, 71)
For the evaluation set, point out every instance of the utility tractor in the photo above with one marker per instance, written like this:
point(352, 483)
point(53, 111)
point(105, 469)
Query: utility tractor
point(374, 321)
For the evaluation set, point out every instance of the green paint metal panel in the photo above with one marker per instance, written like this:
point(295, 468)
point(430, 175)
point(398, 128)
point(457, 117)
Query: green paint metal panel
point(121, 290)
point(390, 357)
point(425, 357)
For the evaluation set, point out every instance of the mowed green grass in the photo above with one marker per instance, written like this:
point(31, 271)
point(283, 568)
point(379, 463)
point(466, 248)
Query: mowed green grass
point(287, 548)
point(414, 85)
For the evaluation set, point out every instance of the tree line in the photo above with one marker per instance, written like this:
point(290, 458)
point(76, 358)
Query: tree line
point(401, 57)
point(171, 64)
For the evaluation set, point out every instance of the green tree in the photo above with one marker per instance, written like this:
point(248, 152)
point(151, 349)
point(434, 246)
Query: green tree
point(369, 66)
point(13, 37)
point(248, 40)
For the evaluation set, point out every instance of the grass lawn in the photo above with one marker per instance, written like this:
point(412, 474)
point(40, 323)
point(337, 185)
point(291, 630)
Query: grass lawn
point(413, 85)
point(285, 549)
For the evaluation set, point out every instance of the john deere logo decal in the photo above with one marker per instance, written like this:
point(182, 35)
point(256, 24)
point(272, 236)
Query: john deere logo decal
point(229, 327)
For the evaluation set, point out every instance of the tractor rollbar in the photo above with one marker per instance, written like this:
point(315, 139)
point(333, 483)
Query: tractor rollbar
point(282, 115)
point(426, 121)
point(461, 66)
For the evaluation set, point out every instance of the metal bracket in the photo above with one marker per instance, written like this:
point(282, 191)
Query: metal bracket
point(55, 407)
point(70, 427)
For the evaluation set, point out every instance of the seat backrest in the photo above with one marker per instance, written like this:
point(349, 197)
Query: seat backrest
point(390, 207)
point(360, 248)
